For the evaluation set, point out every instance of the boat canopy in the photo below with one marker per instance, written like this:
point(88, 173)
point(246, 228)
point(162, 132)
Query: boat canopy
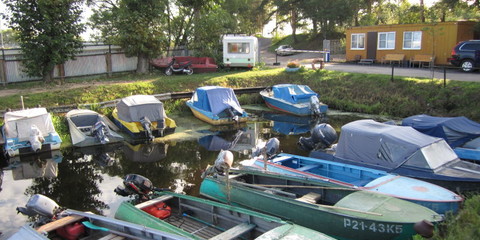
point(18, 124)
point(455, 130)
point(293, 93)
point(392, 146)
point(215, 99)
point(133, 108)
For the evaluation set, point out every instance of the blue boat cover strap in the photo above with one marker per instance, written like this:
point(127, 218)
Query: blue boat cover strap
point(293, 93)
point(391, 146)
point(215, 99)
point(455, 130)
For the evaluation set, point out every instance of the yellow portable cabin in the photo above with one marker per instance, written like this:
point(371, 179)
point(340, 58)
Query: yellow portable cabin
point(411, 40)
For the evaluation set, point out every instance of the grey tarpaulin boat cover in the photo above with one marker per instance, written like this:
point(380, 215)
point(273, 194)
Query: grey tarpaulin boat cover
point(391, 146)
point(455, 130)
point(132, 108)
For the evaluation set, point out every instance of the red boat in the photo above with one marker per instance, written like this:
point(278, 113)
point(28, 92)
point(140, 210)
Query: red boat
point(199, 64)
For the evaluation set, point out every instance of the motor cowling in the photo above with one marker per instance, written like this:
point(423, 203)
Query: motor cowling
point(100, 131)
point(222, 164)
point(147, 126)
point(36, 138)
point(134, 184)
point(322, 136)
point(40, 205)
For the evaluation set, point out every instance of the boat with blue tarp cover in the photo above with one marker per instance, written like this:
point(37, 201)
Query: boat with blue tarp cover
point(437, 198)
point(404, 151)
point(293, 99)
point(461, 133)
point(216, 105)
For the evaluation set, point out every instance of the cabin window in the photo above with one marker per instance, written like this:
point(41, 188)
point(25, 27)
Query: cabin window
point(412, 40)
point(358, 41)
point(386, 40)
point(238, 48)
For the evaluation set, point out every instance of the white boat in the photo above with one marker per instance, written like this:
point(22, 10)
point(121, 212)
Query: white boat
point(29, 131)
point(88, 128)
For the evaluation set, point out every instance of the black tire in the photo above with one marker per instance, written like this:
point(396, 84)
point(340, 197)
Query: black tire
point(190, 70)
point(168, 72)
point(467, 65)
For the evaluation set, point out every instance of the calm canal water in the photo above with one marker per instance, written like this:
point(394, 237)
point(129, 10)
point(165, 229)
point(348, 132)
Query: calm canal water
point(84, 178)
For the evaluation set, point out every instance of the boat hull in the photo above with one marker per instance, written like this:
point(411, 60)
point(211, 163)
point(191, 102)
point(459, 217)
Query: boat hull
point(203, 212)
point(299, 109)
point(338, 223)
point(136, 131)
point(209, 118)
point(437, 198)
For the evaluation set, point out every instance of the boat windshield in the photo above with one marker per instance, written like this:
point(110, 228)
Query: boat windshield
point(432, 156)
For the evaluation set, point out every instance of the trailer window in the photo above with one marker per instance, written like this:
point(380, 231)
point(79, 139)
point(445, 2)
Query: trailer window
point(238, 48)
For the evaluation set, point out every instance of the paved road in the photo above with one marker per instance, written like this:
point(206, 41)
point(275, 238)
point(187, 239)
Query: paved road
point(338, 64)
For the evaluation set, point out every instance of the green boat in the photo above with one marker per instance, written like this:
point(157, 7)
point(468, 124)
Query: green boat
point(339, 212)
point(197, 218)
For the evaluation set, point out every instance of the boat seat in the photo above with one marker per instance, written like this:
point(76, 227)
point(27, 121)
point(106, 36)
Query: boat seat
point(235, 232)
point(310, 197)
point(112, 236)
point(307, 167)
point(85, 129)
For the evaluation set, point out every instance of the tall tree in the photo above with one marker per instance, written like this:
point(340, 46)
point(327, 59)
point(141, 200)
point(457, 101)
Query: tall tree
point(139, 27)
point(48, 33)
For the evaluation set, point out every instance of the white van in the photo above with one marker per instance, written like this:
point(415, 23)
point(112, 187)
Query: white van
point(240, 51)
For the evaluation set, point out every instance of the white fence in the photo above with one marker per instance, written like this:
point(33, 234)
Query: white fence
point(94, 60)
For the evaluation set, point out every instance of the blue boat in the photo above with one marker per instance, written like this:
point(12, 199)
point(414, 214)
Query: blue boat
point(29, 131)
point(293, 99)
point(461, 133)
point(437, 198)
point(216, 105)
point(404, 151)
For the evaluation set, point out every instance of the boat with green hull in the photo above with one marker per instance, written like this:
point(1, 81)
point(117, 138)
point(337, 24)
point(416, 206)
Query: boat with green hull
point(339, 212)
point(197, 218)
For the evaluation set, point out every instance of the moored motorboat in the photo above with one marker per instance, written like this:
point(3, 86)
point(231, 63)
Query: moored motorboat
point(461, 133)
point(143, 117)
point(88, 128)
point(322, 206)
point(29, 131)
point(197, 218)
point(294, 99)
point(437, 198)
point(404, 151)
point(216, 105)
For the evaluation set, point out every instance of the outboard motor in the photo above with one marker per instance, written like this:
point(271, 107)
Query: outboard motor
point(100, 131)
point(271, 148)
point(135, 184)
point(147, 126)
point(36, 139)
point(231, 113)
point(40, 205)
point(223, 162)
point(322, 136)
point(315, 105)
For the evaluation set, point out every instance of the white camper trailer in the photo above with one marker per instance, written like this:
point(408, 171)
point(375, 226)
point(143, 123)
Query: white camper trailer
point(240, 51)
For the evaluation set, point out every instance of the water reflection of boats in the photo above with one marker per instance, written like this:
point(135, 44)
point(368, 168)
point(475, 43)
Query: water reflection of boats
point(241, 140)
point(102, 154)
point(290, 124)
point(146, 152)
point(43, 164)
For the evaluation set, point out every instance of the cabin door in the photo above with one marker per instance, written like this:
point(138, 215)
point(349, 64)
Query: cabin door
point(372, 45)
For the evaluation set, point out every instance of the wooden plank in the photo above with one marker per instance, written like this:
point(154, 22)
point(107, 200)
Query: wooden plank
point(112, 236)
point(307, 167)
point(235, 232)
point(59, 223)
point(153, 201)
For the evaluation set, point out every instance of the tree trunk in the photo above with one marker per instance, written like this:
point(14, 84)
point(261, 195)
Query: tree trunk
point(293, 24)
point(422, 11)
point(142, 63)
point(48, 74)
